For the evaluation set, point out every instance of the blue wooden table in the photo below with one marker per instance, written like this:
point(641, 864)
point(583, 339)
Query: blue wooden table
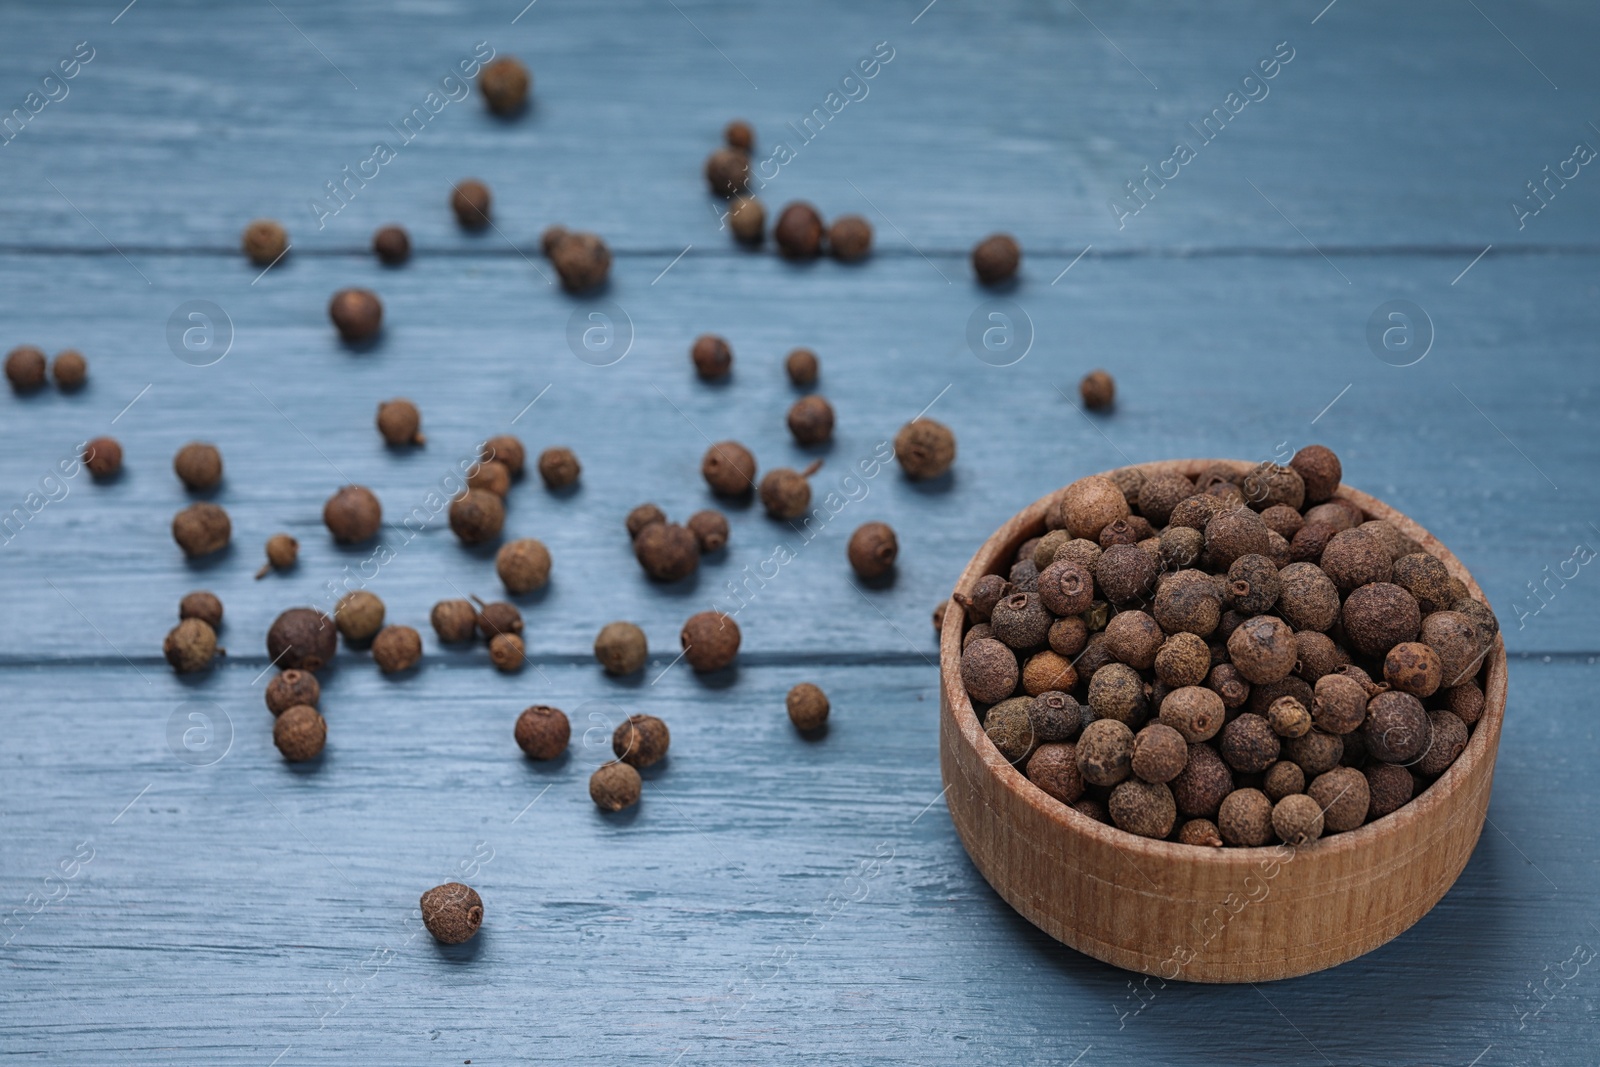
point(772, 898)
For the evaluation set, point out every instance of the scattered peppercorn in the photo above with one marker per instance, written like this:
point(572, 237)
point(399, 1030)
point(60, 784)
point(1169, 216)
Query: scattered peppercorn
point(282, 552)
point(729, 468)
point(359, 615)
point(727, 172)
point(739, 134)
point(710, 529)
point(69, 369)
point(400, 422)
point(25, 368)
point(452, 912)
point(872, 550)
point(523, 565)
point(203, 606)
point(190, 646)
point(747, 219)
point(506, 652)
point(300, 733)
point(542, 732)
point(615, 786)
point(785, 493)
point(710, 640)
point(477, 516)
point(103, 457)
point(302, 639)
point(264, 241)
point(924, 449)
point(621, 648)
point(1098, 390)
point(396, 649)
point(811, 420)
point(454, 620)
point(995, 259)
point(352, 514)
point(802, 367)
point(198, 466)
point(798, 232)
point(392, 245)
point(1054, 769)
point(559, 468)
point(498, 618)
point(850, 238)
point(642, 740)
point(667, 552)
point(504, 83)
point(492, 477)
point(582, 260)
point(712, 357)
point(506, 449)
point(357, 314)
point(470, 199)
point(201, 529)
point(642, 516)
point(290, 688)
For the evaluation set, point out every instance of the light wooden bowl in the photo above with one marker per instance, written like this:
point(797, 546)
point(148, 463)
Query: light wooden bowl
point(1183, 912)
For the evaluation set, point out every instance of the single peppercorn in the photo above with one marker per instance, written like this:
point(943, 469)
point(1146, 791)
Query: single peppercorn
point(729, 468)
point(290, 688)
point(203, 606)
point(1055, 716)
point(710, 529)
point(798, 232)
point(807, 706)
point(850, 238)
point(1234, 533)
point(1447, 739)
point(1090, 808)
point(190, 646)
point(282, 552)
point(1048, 672)
point(25, 368)
point(1021, 621)
point(615, 786)
point(504, 83)
point(986, 593)
point(1269, 484)
point(642, 516)
point(1094, 656)
point(1310, 541)
point(642, 740)
point(1143, 808)
point(1396, 728)
point(712, 357)
point(1066, 588)
point(1160, 493)
point(1282, 779)
point(1343, 796)
point(581, 259)
point(359, 615)
point(1117, 692)
point(470, 200)
point(811, 420)
point(1205, 780)
point(1379, 616)
point(1460, 644)
point(1194, 711)
point(667, 552)
point(1465, 701)
point(1389, 788)
point(785, 493)
point(392, 245)
point(492, 477)
point(1105, 752)
point(1314, 752)
point(300, 732)
point(1098, 390)
point(1339, 513)
point(452, 912)
point(542, 732)
point(1182, 660)
point(400, 423)
point(1320, 470)
point(1413, 667)
point(1247, 744)
point(506, 449)
point(264, 241)
point(1244, 818)
point(302, 639)
point(802, 367)
point(1046, 547)
point(497, 618)
point(1427, 579)
point(739, 134)
point(1307, 599)
point(453, 620)
point(1054, 769)
point(710, 640)
point(198, 466)
point(1126, 574)
point(1262, 697)
point(477, 516)
point(872, 550)
point(1263, 648)
point(357, 314)
point(1129, 531)
point(559, 468)
point(1198, 510)
point(1397, 543)
point(396, 649)
point(1354, 558)
point(1253, 585)
point(727, 172)
point(352, 514)
point(1225, 680)
point(995, 259)
point(621, 648)
point(924, 449)
point(1297, 819)
point(1201, 832)
point(1159, 753)
point(1134, 638)
point(523, 565)
point(506, 652)
point(989, 670)
point(69, 369)
point(103, 458)
point(1478, 613)
point(201, 529)
point(1288, 717)
point(1090, 504)
point(747, 219)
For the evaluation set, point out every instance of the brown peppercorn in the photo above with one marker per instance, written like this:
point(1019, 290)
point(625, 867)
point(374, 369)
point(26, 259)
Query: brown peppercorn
point(290, 688)
point(802, 367)
point(506, 653)
point(392, 245)
point(1412, 667)
point(850, 238)
point(69, 369)
point(477, 516)
point(282, 552)
point(1098, 390)
point(1283, 520)
point(811, 420)
point(667, 552)
point(1198, 510)
point(452, 912)
point(1089, 505)
point(1117, 692)
point(504, 83)
point(1268, 484)
point(1283, 779)
point(939, 612)
point(359, 615)
point(1203, 783)
point(1126, 574)
point(1201, 832)
point(1194, 711)
point(1188, 601)
point(1105, 752)
point(727, 172)
point(1461, 645)
point(1318, 655)
point(506, 449)
point(103, 458)
point(1225, 680)
point(1389, 787)
point(924, 449)
point(498, 618)
point(396, 649)
point(1263, 648)
point(559, 467)
point(712, 357)
point(1396, 728)
point(1046, 547)
point(1055, 716)
point(1054, 769)
point(1021, 621)
point(642, 740)
point(710, 640)
point(1465, 701)
point(1047, 672)
point(25, 368)
point(1427, 579)
point(201, 529)
point(1308, 598)
point(263, 241)
point(1320, 470)
point(582, 260)
point(1234, 533)
point(739, 134)
point(1129, 531)
point(470, 200)
point(995, 259)
point(642, 516)
point(1159, 753)
point(1066, 588)
point(1297, 819)
point(1180, 546)
point(710, 529)
point(542, 732)
point(1343, 796)
point(523, 565)
point(621, 648)
point(400, 423)
point(1143, 808)
point(798, 232)
point(302, 639)
point(1339, 513)
point(807, 706)
point(453, 620)
point(1024, 577)
point(872, 550)
point(989, 670)
point(491, 477)
point(1379, 616)
point(1247, 744)
point(785, 493)
point(1182, 660)
point(1009, 726)
point(615, 786)
point(203, 606)
point(357, 314)
point(1478, 613)
point(1079, 550)
point(1253, 585)
point(352, 514)
point(1314, 752)
point(300, 733)
point(198, 466)
point(1447, 740)
point(1288, 717)
point(1310, 541)
point(190, 646)
point(1134, 638)
point(1244, 819)
point(729, 468)
point(1160, 493)
point(1355, 558)
point(747, 219)
point(986, 593)
point(1397, 543)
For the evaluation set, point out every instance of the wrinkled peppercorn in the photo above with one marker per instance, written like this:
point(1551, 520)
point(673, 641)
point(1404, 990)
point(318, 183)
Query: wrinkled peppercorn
point(302, 639)
point(396, 648)
point(352, 514)
point(872, 550)
point(198, 466)
point(850, 238)
point(290, 688)
point(811, 420)
point(190, 646)
point(641, 741)
point(1247, 744)
point(995, 259)
point(1205, 780)
point(642, 516)
point(581, 259)
point(1021, 621)
point(1379, 616)
point(1143, 808)
point(542, 732)
point(1264, 649)
point(452, 912)
point(400, 422)
point(1342, 795)
point(498, 618)
point(201, 529)
point(1244, 818)
point(798, 232)
point(470, 200)
point(523, 565)
point(491, 477)
point(506, 449)
point(710, 640)
point(300, 733)
point(1194, 711)
point(264, 241)
point(1159, 753)
point(282, 551)
point(203, 606)
point(454, 620)
point(1320, 470)
point(1098, 390)
point(989, 670)
point(559, 468)
point(357, 314)
point(785, 493)
point(477, 516)
point(1283, 779)
point(710, 529)
point(667, 552)
point(1054, 769)
point(615, 786)
point(924, 449)
point(807, 706)
point(504, 83)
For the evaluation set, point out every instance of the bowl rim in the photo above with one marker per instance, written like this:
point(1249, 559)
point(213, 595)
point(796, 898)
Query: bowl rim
point(1481, 744)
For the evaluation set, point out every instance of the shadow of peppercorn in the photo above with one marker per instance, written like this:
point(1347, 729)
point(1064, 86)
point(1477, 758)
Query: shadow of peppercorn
point(530, 599)
point(933, 486)
point(465, 952)
point(811, 737)
point(883, 581)
point(657, 769)
point(743, 502)
point(398, 677)
point(726, 678)
point(626, 817)
point(553, 766)
point(305, 768)
point(566, 492)
point(821, 448)
point(211, 560)
point(683, 587)
point(200, 679)
point(634, 680)
point(367, 345)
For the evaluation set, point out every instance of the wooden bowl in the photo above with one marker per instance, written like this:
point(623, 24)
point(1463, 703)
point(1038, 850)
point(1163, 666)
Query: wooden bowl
point(1185, 912)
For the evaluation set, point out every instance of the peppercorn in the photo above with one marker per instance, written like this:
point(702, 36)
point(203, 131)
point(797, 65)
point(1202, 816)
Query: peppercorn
point(1044, 548)
point(1478, 613)
point(924, 449)
point(69, 369)
point(1288, 717)
point(986, 593)
point(1253, 584)
point(201, 529)
point(1283, 779)
point(807, 706)
point(995, 258)
point(1314, 752)
point(1182, 660)
point(581, 259)
point(1263, 648)
point(1338, 513)
point(811, 420)
point(728, 468)
point(1123, 532)
point(1090, 808)
point(453, 620)
point(1126, 574)
point(710, 640)
point(264, 241)
point(1117, 692)
point(1021, 621)
point(1048, 672)
point(802, 367)
point(1412, 667)
point(400, 423)
point(1143, 808)
point(1458, 641)
point(1159, 753)
point(727, 172)
point(1465, 701)
point(1343, 796)
point(1160, 493)
point(203, 606)
point(1297, 819)
point(1379, 616)
point(504, 84)
point(1054, 769)
point(710, 529)
point(506, 652)
point(1320, 471)
point(491, 477)
point(1134, 638)
point(198, 466)
point(506, 449)
point(1205, 780)
point(1198, 510)
point(739, 134)
point(1095, 655)
point(25, 368)
point(1397, 729)
point(1282, 520)
point(1105, 752)
point(1389, 787)
point(523, 565)
point(1229, 623)
point(1009, 726)
point(302, 639)
point(747, 219)
point(1262, 697)
point(872, 550)
point(558, 467)
point(452, 912)
point(477, 516)
point(977, 633)
point(641, 740)
point(667, 552)
point(469, 199)
point(1244, 819)
point(359, 615)
point(1066, 588)
point(353, 514)
point(989, 670)
point(291, 688)
point(642, 516)
point(1354, 558)
point(1225, 680)
point(1269, 484)
point(1397, 543)
point(357, 314)
point(621, 648)
point(1201, 832)
point(542, 732)
point(1248, 744)
point(497, 618)
point(392, 245)
point(1098, 390)
point(1180, 547)
point(785, 493)
point(850, 238)
point(614, 786)
point(396, 648)
point(1310, 541)
point(798, 232)
point(103, 458)
point(939, 613)
point(1447, 740)
point(190, 646)
point(300, 733)
point(1089, 504)
point(1194, 711)
point(1234, 533)
point(712, 357)
point(1425, 578)
point(282, 551)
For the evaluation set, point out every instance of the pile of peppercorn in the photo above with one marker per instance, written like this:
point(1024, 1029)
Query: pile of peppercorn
point(1229, 660)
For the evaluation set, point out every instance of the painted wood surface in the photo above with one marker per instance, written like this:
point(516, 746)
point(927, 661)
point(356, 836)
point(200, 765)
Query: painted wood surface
point(772, 898)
